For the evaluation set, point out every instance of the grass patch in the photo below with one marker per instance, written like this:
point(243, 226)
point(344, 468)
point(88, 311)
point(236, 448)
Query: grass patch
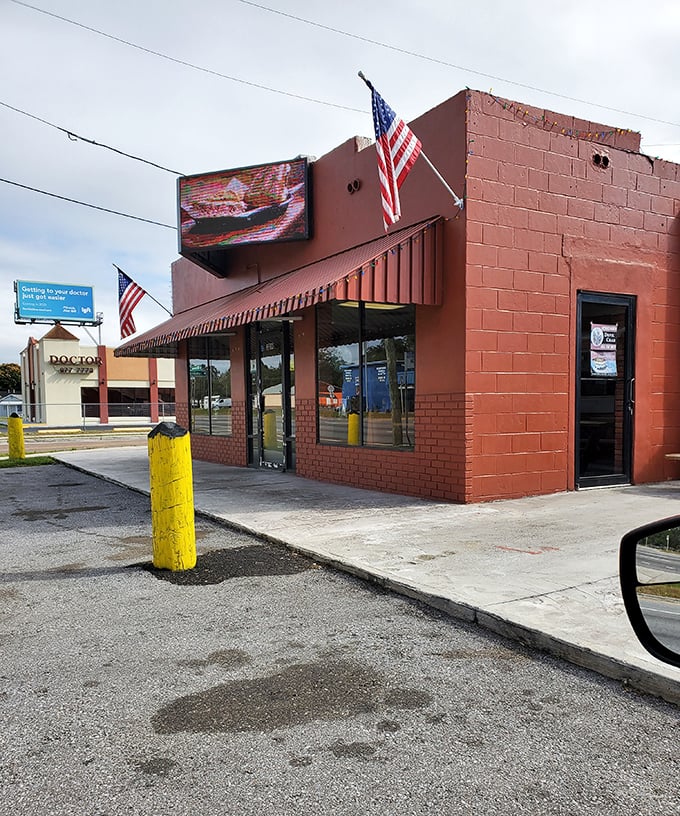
point(661, 590)
point(29, 461)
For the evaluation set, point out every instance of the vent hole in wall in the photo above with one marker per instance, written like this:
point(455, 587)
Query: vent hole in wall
point(601, 160)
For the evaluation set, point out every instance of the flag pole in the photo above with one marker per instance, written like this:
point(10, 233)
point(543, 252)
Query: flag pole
point(458, 201)
point(148, 295)
point(159, 303)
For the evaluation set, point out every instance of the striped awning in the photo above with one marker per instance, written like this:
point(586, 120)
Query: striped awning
point(402, 267)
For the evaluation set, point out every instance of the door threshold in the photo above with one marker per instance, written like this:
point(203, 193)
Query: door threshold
point(603, 487)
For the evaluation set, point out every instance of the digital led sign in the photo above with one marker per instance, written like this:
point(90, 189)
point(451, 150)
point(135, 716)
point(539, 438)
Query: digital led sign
point(48, 302)
point(247, 205)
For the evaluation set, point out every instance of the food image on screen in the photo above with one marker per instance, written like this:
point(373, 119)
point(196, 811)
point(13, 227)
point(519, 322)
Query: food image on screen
point(248, 205)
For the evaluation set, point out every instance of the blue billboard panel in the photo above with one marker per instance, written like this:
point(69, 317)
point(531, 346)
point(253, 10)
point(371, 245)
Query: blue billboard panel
point(67, 303)
point(376, 389)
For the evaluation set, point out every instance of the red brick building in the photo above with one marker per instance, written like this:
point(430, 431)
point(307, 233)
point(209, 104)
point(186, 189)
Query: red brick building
point(526, 344)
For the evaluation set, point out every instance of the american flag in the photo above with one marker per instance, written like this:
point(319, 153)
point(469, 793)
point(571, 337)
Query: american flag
point(129, 295)
point(398, 148)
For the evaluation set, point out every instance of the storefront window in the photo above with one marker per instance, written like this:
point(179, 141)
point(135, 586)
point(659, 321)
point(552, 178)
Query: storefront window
point(166, 402)
point(89, 400)
point(388, 375)
point(366, 374)
point(338, 381)
point(210, 386)
point(128, 402)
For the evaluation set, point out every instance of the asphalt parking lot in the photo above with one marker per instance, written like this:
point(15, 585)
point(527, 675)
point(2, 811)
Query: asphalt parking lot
point(262, 683)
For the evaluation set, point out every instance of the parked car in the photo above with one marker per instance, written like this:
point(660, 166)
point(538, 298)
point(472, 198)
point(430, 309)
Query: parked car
point(216, 401)
point(649, 570)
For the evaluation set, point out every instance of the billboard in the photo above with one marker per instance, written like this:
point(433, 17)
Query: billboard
point(376, 388)
point(49, 302)
point(248, 205)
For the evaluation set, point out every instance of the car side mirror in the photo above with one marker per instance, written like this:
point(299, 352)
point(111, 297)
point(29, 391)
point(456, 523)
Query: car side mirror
point(649, 570)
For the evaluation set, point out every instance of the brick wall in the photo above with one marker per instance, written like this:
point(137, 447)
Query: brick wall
point(544, 220)
point(224, 450)
point(435, 469)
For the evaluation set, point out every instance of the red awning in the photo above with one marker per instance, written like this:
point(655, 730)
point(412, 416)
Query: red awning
point(402, 267)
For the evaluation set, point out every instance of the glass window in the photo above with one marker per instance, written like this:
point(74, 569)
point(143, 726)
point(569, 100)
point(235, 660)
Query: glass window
point(369, 350)
point(129, 402)
point(210, 386)
point(89, 400)
point(388, 375)
point(166, 402)
point(338, 380)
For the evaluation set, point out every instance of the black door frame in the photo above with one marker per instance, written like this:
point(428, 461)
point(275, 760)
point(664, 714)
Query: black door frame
point(629, 302)
point(255, 452)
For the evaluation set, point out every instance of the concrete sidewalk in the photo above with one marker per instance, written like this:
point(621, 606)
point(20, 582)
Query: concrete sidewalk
point(542, 570)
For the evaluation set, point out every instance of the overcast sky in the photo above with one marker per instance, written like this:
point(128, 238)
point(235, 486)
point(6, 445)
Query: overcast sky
point(617, 63)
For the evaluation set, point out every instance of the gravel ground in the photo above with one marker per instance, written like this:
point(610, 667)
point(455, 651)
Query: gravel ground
point(261, 683)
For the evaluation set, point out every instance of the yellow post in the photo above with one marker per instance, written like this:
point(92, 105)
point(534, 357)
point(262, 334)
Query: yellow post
point(269, 429)
point(15, 436)
point(172, 498)
point(352, 429)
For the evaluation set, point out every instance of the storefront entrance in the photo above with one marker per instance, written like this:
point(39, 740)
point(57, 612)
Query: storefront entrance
point(271, 396)
point(605, 392)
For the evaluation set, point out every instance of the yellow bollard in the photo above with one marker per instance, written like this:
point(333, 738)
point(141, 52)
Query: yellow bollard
point(269, 429)
point(172, 498)
point(15, 436)
point(352, 429)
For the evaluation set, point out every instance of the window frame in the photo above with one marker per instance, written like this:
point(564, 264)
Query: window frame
point(207, 358)
point(362, 373)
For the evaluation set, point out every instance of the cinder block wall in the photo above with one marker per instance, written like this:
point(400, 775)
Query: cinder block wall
point(545, 220)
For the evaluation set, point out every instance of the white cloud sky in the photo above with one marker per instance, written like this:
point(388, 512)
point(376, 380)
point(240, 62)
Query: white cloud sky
point(611, 55)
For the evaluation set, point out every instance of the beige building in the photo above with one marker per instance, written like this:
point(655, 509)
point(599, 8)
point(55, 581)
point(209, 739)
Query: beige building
point(66, 384)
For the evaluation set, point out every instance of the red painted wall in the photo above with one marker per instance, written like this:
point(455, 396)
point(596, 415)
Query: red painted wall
point(543, 222)
point(495, 371)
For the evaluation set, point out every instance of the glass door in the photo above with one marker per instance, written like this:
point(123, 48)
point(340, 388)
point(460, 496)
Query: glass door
point(271, 397)
point(605, 393)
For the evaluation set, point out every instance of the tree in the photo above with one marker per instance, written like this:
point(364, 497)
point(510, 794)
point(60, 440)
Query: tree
point(10, 377)
point(330, 367)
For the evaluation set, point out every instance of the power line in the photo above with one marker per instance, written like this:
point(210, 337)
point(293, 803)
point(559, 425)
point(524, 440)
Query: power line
point(76, 137)
point(85, 204)
point(343, 33)
point(187, 64)
point(447, 64)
